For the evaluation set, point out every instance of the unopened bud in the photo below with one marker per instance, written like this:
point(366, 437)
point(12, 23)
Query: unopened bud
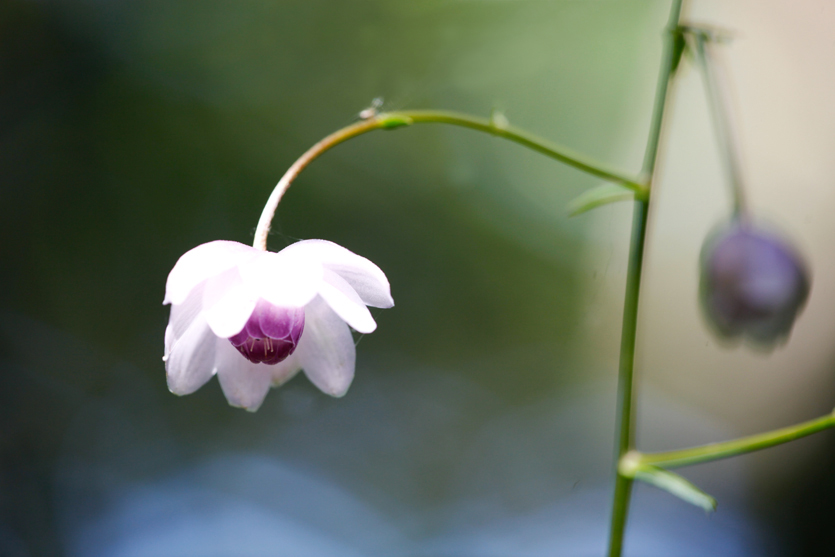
point(753, 283)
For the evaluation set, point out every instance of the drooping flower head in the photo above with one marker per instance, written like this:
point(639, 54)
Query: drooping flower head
point(255, 318)
point(753, 283)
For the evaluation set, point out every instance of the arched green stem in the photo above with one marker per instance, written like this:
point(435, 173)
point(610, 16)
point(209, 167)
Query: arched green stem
point(262, 231)
point(390, 120)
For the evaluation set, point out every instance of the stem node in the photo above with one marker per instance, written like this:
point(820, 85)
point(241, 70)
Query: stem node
point(629, 464)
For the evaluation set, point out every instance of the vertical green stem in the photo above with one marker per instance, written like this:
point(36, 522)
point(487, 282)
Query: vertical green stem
point(624, 441)
point(623, 484)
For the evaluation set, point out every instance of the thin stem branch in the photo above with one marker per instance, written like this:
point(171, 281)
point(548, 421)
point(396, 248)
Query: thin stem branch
point(718, 102)
point(389, 120)
point(529, 140)
point(725, 449)
point(624, 441)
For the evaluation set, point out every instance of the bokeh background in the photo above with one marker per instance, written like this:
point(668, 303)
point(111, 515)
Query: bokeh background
point(481, 418)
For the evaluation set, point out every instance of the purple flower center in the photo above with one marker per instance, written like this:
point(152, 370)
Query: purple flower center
point(271, 334)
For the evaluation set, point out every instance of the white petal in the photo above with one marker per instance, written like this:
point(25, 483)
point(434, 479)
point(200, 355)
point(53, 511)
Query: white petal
point(227, 303)
point(326, 350)
point(245, 384)
point(346, 303)
point(191, 361)
point(282, 280)
point(182, 315)
point(202, 262)
point(364, 276)
point(286, 370)
point(170, 339)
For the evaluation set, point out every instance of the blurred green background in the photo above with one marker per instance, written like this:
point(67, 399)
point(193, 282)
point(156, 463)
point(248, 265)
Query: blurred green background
point(481, 418)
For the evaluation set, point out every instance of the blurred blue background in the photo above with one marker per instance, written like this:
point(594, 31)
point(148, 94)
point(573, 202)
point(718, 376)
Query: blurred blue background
point(481, 418)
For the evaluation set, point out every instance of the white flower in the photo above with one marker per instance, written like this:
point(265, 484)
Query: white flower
point(233, 306)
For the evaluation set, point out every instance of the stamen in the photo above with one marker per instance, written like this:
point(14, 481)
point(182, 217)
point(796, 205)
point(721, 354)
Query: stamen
point(270, 335)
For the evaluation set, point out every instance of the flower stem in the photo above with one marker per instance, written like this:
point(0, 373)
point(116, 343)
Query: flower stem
point(390, 120)
point(725, 449)
point(334, 139)
point(624, 441)
point(722, 123)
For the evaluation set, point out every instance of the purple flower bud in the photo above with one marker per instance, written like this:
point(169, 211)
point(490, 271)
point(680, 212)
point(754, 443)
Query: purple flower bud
point(271, 333)
point(753, 283)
